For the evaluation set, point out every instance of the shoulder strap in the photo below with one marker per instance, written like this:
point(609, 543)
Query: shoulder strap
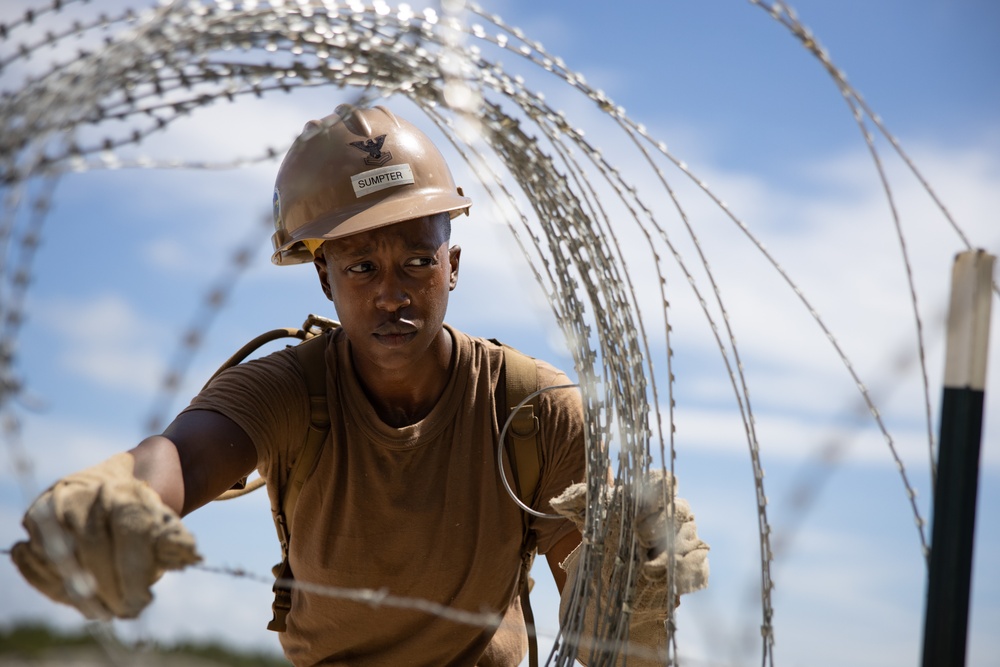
point(311, 356)
point(520, 381)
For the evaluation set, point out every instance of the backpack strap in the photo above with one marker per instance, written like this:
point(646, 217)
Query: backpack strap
point(522, 436)
point(311, 356)
point(520, 379)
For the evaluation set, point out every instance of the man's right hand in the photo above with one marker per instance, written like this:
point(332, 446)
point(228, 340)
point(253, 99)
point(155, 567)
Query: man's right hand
point(100, 538)
point(686, 562)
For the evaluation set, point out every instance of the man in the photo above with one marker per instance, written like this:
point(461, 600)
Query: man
point(406, 495)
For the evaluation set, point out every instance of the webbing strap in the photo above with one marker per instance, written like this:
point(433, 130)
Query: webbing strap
point(311, 356)
point(521, 380)
point(529, 616)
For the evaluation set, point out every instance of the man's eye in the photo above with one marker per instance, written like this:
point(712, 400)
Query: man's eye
point(363, 267)
point(420, 261)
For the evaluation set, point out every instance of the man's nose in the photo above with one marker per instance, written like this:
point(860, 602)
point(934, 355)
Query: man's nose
point(391, 293)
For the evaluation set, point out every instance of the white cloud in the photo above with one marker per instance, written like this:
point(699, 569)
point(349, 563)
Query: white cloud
point(168, 254)
point(112, 344)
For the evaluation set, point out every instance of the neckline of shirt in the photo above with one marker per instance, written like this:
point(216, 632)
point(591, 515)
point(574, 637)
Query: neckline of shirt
point(360, 411)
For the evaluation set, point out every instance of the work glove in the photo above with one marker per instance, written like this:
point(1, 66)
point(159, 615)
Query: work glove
point(647, 635)
point(99, 539)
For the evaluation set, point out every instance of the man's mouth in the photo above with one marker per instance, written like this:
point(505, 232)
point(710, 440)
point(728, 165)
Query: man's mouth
point(395, 333)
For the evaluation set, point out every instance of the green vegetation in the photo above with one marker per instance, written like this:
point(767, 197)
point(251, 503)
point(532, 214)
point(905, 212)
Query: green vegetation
point(35, 640)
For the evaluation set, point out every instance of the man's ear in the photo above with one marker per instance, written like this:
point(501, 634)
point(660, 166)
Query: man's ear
point(454, 256)
point(319, 261)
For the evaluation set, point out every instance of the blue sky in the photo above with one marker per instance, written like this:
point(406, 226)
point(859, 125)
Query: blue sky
point(128, 256)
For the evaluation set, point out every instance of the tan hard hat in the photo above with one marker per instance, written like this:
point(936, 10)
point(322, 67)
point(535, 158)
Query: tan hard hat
point(355, 170)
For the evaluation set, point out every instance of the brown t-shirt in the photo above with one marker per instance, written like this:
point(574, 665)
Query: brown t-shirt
point(419, 512)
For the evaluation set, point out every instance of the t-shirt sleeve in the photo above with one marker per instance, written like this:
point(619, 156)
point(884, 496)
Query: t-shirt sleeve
point(564, 458)
point(268, 399)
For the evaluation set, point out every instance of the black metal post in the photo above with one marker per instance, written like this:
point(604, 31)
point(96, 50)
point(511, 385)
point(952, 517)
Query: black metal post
point(950, 567)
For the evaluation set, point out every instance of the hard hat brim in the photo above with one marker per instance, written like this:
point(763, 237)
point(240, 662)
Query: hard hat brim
point(364, 218)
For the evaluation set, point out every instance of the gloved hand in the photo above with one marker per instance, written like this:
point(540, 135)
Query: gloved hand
point(99, 538)
point(647, 636)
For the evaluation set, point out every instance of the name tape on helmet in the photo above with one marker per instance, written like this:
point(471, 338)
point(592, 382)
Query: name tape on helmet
point(374, 180)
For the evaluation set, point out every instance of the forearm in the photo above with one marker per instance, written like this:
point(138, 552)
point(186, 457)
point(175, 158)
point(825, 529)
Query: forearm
point(557, 555)
point(158, 463)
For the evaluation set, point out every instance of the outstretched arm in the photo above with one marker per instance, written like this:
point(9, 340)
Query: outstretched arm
point(98, 539)
point(198, 457)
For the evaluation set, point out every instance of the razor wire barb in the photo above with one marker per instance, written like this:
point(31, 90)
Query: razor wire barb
point(145, 69)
